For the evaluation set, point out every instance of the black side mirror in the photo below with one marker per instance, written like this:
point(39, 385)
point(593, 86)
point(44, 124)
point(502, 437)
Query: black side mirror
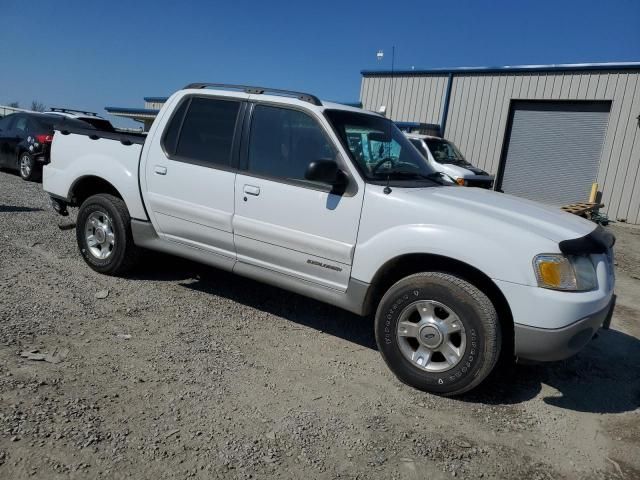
point(326, 171)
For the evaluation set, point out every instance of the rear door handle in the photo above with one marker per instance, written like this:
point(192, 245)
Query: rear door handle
point(160, 170)
point(252, 190)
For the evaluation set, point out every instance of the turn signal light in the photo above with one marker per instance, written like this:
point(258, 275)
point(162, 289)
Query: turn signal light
point(551, 273)
point(461, 182)
point(560, 272)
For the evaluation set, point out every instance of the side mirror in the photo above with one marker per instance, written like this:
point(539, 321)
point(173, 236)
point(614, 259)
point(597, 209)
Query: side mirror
point(326, 171)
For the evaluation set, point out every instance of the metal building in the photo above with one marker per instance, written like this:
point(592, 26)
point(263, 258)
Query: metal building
point(547, 131)
point(146, 115)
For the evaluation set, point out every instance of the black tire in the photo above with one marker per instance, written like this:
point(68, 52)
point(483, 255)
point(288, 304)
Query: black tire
point(123, 254)
point(33, 172)
point(474, 310)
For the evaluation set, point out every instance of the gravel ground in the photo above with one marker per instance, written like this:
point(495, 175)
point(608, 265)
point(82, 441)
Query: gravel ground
point(185, 371)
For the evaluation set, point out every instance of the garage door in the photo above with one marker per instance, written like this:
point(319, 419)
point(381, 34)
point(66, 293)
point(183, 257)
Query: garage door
point(553, 150)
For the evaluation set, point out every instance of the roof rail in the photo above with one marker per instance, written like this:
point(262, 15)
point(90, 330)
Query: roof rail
point(71, 110)
point(305, 97)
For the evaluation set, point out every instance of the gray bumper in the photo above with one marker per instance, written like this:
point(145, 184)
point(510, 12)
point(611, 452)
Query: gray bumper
point(546, 345)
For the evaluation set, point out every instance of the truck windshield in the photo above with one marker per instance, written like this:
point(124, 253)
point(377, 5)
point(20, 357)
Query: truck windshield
point(444, 151)
point(379, 149)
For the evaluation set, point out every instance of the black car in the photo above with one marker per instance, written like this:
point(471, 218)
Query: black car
point(25, 140)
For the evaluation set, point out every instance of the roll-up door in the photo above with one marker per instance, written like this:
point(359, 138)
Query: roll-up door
point(553, 150)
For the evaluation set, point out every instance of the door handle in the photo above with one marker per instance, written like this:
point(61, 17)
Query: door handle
point(160, 170)
point(252, 190)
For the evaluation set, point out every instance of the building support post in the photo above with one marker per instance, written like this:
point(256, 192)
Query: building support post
point(445, 107)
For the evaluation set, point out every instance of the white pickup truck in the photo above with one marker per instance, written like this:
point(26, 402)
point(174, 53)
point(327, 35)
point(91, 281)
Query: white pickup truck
point(443, 156)
point(273, 185)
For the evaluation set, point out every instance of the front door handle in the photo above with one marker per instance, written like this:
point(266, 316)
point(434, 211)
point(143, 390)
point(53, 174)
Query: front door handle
point(160, 170)
point(252, 190)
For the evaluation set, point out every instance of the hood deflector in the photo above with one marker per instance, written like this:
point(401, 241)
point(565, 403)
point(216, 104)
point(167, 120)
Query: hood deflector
point(598, 241)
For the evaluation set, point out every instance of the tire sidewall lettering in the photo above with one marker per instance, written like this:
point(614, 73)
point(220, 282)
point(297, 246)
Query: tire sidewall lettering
point(465, 368)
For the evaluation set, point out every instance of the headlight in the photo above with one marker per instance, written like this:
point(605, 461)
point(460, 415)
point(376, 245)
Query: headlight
point(560, 272)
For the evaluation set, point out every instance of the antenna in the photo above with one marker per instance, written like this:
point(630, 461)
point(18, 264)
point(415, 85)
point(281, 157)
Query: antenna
point(387, 189)
point(393, 59)
point(380, 56)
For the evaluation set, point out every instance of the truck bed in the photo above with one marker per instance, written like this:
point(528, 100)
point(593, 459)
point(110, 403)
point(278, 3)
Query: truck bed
point(77, 154)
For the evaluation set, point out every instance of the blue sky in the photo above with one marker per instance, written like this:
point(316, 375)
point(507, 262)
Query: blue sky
point(86, 54)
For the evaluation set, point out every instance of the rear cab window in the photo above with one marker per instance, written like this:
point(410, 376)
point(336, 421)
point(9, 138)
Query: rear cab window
point(202, 132)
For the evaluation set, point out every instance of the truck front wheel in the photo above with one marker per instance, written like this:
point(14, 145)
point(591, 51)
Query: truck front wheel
point(103, 232)
point(438, 333)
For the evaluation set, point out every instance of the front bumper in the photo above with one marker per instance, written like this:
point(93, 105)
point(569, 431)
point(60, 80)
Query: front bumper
point(545, 345)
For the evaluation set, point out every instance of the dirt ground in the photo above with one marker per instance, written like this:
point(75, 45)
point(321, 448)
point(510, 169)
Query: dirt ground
point(185, 371)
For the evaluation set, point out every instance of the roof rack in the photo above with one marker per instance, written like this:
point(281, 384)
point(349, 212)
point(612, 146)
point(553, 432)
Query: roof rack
point(71, 110)
point(305, 97)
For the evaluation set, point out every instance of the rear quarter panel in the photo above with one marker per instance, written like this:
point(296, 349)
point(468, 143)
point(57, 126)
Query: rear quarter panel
point(74, 157)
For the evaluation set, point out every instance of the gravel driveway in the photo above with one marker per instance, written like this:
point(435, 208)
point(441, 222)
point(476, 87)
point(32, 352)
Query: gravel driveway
point(184, 371)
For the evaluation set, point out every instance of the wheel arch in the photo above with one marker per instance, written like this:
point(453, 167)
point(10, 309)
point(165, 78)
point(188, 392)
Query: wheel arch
point(88, 185)
point(404, 265)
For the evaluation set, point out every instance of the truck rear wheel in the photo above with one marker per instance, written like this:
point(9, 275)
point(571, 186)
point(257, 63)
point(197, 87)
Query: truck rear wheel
point(438, 333)
point(103, 232)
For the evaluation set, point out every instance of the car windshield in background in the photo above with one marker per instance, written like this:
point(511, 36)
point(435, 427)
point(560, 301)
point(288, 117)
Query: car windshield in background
point(444, 151)
point(99, 123)
point(50, 121)
point(379, 148)
point(419, 146)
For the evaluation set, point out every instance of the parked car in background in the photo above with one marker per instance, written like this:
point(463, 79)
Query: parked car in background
point(445, 157)
point(91, 118)
point(25, 137)
point(334, 202)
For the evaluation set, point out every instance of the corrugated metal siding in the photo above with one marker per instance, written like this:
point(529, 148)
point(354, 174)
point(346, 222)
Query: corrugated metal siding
point(415, 99)
point(479, 110)
point(153, 105)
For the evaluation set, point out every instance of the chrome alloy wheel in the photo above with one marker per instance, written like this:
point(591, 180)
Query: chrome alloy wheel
point(25, 166)
point(431, 336)
point(99, 235)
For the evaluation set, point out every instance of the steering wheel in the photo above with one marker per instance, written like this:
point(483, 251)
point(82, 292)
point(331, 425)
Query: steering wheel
point(375, 168)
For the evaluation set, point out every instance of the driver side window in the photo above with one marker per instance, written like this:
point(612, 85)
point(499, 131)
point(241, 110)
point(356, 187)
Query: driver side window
point(283, 142)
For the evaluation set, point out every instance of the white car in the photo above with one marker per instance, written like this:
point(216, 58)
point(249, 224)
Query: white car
point(333, 202)
point(443, 156)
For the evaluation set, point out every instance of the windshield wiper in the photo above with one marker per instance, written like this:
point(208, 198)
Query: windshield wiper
point(401, 174)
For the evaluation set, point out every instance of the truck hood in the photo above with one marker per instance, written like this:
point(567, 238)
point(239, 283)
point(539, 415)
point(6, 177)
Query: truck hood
point(494, 209)
point(466, 171)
